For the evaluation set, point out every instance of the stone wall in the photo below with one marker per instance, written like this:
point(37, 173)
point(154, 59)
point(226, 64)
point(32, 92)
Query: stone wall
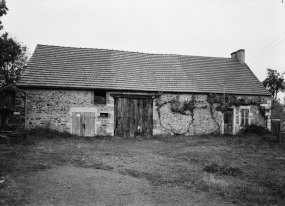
point(55, 107)
point(203, 122)
point(168, 120)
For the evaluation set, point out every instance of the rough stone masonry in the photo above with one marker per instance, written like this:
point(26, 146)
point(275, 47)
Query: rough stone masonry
point(53, 108)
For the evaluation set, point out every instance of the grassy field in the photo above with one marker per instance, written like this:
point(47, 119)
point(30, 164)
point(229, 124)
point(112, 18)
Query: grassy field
point(243, 170)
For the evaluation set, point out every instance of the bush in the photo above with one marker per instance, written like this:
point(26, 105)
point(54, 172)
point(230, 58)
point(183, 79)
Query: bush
point(255, 129)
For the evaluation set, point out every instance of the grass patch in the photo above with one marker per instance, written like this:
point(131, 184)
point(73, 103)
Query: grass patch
point(245, 169)
point(240, 192)
point(42, 152)
point(251, 180)
point(81, 162)
point(183, 177)
point(155, 178)
point(16, 160)
point(12, 193)
point(47, 132)
point(222, 169)
point(237, 168)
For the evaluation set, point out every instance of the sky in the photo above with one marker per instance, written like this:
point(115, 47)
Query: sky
point(189, 27)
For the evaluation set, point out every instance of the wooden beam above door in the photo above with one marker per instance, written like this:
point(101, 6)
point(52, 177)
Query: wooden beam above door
point(131, 96)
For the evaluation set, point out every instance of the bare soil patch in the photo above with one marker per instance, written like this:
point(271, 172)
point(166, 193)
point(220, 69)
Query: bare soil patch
point(163, 171)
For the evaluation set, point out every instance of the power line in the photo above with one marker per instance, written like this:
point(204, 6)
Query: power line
point(268, 51)
point(266, 46)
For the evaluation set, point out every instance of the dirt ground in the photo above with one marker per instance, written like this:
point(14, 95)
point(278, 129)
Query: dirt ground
point(114, 173)
point(71, 185)
point(120, 172)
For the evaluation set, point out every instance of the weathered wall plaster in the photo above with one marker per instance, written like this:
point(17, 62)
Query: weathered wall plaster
point(203, 122)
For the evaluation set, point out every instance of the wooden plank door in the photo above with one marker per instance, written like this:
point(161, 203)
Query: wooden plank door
point(83, 123)
point(76, 123)
point(119, 114)
point(133, 117)
point(138, 117)
point(124, 122)
point(89, 124)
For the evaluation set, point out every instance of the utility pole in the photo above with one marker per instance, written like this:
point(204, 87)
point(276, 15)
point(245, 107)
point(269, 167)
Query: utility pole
point(224, 92)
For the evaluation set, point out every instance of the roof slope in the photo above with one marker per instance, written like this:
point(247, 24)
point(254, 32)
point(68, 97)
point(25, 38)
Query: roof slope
point(68, 67)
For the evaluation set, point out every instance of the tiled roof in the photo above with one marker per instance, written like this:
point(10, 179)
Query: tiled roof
point(68, 67)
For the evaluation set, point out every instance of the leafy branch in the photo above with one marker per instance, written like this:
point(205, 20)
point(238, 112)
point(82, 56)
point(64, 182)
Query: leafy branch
point(212, 99)
point(181, 107)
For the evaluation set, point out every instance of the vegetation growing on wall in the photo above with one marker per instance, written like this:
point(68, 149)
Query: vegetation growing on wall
point(261, 109)
point(185, 107)
point(217, 104)
point(212, 99)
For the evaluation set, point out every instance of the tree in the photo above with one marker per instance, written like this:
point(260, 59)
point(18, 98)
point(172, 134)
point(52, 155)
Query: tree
point(13, 54)
point(3, 11)
point(13, 57)
point(274, 82)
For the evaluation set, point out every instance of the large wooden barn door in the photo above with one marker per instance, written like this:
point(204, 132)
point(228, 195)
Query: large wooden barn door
point(133, 117)
point(83, 123)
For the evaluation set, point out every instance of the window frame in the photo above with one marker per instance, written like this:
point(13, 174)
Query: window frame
point(243, 116)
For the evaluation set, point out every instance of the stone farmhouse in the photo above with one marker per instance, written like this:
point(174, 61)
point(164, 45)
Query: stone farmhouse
point(91, 92)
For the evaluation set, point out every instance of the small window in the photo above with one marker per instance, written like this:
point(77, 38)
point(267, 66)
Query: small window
point(100, 97)
point(244, 117)
point(103, 114)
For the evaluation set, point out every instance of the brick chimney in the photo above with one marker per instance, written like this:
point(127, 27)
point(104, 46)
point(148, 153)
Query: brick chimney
point(239, 55)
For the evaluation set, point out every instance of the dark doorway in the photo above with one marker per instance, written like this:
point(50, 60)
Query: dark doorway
point(228, 122)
